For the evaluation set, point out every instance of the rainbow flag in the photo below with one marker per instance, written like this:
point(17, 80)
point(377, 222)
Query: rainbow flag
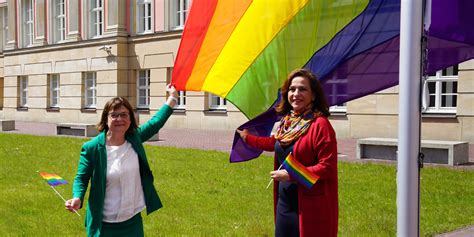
point(53, 179)
point(243, 50)
point(299, 172)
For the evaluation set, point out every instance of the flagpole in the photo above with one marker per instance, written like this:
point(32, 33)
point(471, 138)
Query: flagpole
point(63, 198)
point(271, 178)
point(409, 118)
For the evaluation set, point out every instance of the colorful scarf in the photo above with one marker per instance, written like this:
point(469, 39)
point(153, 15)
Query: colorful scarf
point(293, 125)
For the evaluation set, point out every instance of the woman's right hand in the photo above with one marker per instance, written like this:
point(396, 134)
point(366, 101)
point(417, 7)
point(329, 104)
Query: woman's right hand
point(73, 204)
point(243, 134)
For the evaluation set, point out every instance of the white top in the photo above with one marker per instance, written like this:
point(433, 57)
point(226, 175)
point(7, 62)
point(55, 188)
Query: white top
point(123, 191)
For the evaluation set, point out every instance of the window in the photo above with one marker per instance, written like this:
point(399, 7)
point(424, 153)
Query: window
point(4, 19)
point(23, 88)
point(54, 91)
point(143, 87)
point(442, 91)
point(179, 12)
point(144, 16)
point(96, 18)
point(181, 104)
point(216, 102)
point(337, 90)
point(28, 34)
point(90, 99)
point(2, 86)
point(59, 21)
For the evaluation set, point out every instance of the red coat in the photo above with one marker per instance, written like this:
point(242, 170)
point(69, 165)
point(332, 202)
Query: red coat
point(317, 150)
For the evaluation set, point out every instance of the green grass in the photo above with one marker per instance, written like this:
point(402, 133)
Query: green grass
point(204, 195)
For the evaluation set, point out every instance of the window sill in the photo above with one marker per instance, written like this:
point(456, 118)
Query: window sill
point(25, 109)
point(338, 113)
point(52, 109)
point(177, 28)
point(143, 111)
point(144, 32)
point(88, 110)
point(179, 111)
point(96, 36)
point(216, 112)
point(438, 115)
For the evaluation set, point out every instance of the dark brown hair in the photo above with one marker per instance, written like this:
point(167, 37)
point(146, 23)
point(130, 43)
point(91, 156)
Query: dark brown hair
point(319, 104)
point(114, 104)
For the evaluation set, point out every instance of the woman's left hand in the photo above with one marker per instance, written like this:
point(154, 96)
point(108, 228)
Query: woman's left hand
point(173, 95)
point(171, 90)
point(280, 175)
point(243, 134)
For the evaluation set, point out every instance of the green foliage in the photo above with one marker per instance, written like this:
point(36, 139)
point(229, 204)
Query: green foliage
point(204, 195)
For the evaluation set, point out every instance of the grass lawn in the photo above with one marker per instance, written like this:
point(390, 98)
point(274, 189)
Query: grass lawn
point(204, 195)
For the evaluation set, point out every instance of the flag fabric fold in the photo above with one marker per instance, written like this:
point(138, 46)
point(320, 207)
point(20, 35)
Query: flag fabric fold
point(299, 172)
point(53, 179)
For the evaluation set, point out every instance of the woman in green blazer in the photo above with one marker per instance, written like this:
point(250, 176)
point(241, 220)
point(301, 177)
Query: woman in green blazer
point(116, 165)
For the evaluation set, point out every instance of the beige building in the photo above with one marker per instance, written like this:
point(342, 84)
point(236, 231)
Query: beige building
point(61, 60)
point(448, 109)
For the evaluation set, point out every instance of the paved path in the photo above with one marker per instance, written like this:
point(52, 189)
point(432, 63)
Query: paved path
point(208, 140)
point(222, 141)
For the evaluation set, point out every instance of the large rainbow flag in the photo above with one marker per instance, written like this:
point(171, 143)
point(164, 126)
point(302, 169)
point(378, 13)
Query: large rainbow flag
point(242, 50)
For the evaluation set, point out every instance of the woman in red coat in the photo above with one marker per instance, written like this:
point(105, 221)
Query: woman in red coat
point(306, 132)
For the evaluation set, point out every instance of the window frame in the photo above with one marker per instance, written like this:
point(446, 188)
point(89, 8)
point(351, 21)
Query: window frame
point(337, 90)
point(143, 87)
point(438, 79)
point(145, 22)
point(90, 92)
point(96, 19)
point(181, 104)
point(220, 105)
point(27, 12)
point(4, 13)
point(23, 91)
point(54, 90)
point(58, 21)
point(179, 13)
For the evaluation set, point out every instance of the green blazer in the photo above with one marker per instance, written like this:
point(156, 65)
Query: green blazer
point(93, 167)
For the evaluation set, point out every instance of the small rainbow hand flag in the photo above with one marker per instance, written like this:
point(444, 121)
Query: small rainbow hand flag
point(53, 179)
point(299, 172)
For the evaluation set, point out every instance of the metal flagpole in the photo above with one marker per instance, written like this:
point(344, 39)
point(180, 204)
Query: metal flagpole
point(409, 118)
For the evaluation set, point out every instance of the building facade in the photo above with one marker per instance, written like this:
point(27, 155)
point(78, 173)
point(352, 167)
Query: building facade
point(61, 60)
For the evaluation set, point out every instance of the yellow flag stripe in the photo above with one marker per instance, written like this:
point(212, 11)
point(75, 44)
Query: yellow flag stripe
point(259, 25)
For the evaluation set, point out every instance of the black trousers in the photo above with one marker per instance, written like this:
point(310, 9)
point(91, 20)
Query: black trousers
point(287, 221)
